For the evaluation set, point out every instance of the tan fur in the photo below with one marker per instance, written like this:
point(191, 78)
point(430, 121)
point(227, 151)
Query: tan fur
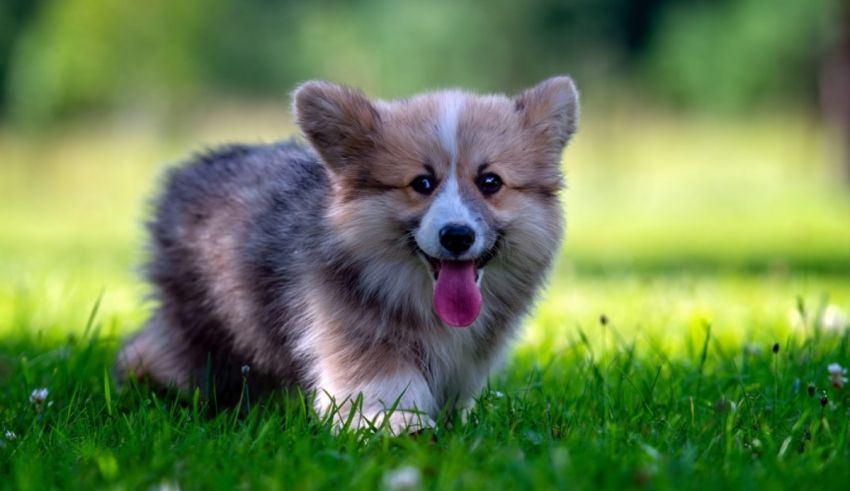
point(513, 138)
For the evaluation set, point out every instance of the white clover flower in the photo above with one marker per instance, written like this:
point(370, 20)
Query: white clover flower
point(403, 478)
point(837, 375)
point(166, 486)
point(10, 435)
point(37, 398)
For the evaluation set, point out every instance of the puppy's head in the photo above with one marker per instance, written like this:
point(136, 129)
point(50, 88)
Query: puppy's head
point(443, 186)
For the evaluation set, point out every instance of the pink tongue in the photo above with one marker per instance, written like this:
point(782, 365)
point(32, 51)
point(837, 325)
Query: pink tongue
point(456, 296)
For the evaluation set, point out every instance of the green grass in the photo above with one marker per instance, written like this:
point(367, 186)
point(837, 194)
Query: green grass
point(702, 243)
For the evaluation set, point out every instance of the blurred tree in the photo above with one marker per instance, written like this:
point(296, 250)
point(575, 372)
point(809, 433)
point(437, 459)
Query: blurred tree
point(732, 56)
point(85, 54)
point(73, 56)
point(835, 83)
point(15, 16)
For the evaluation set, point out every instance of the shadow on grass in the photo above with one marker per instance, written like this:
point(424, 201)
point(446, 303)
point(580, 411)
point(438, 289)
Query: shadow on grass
point(707, 264)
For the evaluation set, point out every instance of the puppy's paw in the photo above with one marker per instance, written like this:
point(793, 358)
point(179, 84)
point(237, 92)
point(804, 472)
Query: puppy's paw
point(402, 422)
point(466, 412)
point(397, 423)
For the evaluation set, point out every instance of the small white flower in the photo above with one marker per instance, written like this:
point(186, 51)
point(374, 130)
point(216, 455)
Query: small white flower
point(37, 398)
point(166, 486)
point(833, 319)
point(403, 478)
point(837, 375)
point(10, 435)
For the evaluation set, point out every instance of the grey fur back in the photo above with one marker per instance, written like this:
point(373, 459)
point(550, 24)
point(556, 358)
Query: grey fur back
point(240, 214)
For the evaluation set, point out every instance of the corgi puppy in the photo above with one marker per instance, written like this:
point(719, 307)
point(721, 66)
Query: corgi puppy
point(384, 265)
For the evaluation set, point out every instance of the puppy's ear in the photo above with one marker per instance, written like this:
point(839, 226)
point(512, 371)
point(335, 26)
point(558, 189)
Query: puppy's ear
point(550, 109)
point(340, 122)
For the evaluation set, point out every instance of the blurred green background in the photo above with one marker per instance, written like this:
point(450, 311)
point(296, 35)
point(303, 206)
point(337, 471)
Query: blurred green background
point(710, 171)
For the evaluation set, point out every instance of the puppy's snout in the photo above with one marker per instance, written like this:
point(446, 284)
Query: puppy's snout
point(457, 238)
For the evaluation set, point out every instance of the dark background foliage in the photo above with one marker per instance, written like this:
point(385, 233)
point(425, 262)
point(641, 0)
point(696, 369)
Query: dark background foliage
point(63, 58)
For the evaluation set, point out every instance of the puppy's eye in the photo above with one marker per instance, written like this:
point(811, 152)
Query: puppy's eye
point(423, 184)
point(489, 183)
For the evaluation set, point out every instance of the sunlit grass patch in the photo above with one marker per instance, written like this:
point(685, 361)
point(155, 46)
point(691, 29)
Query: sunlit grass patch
point(693, 248)
point(607, 403)
point(670, 309)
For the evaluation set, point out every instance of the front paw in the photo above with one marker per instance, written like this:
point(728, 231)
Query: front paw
point(402, 422)
point(401, 403)
point(397, 422)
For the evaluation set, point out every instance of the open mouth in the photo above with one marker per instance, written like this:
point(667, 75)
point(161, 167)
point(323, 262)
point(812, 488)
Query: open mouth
point(457, 287)
point(437, 264)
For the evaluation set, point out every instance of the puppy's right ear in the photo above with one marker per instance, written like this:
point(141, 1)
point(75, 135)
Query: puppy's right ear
point(340, 122)
point(550, 108)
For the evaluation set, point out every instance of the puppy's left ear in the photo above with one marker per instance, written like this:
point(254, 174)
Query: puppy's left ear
point(550, 109)
point(340, 122)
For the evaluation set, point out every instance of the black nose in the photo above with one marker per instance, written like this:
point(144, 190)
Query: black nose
point(457, 238)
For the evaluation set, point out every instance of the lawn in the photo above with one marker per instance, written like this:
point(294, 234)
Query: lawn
point(684, 341)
